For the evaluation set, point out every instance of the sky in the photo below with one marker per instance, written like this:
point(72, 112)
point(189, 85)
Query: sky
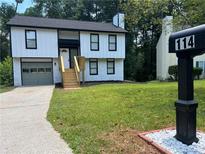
point(22, 6)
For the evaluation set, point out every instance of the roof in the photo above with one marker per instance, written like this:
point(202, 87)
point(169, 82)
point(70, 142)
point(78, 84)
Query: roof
point(42, 22)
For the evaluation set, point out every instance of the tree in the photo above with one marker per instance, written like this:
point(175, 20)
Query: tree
point(89, 10)
point(96, 10)
point(6, 12)
point(70, 9)
point(6, 77)
point(36, 10)
point(17, 2)
point(173, 72)
point(197, 72)
point(189, 13)
point(143, 21)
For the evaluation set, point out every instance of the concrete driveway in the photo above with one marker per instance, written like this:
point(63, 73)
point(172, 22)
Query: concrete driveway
point(23, 127)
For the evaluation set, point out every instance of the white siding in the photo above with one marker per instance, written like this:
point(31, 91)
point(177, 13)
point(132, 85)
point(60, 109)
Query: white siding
point(199, 58)
point(164, 58)
point(56, 71)
point(17, 71)
point(102, 71)
point(47, 43)
point(103, 46)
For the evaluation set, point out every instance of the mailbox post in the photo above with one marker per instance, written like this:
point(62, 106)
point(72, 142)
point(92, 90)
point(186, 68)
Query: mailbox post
point(186, 44)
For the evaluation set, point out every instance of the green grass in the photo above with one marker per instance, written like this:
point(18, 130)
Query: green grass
point(81, 116)
point(5, 89)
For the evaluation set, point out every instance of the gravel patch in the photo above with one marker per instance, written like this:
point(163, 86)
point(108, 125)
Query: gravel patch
point(166, 139)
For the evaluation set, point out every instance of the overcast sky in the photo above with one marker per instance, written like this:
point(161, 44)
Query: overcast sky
point(22, 6)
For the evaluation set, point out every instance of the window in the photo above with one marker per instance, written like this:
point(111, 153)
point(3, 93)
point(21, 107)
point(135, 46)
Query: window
point(110, 66)
point(112, 42)
point(41, 70)
point(25, 70)
point(33, 70)
point(94, 42)
point(201, 64)
point(30, 36)
point(48, 69)
point(93, 64)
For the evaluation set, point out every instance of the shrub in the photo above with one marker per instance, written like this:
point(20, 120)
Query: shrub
point(6, 77)
point(197, 71)
point(173, 72)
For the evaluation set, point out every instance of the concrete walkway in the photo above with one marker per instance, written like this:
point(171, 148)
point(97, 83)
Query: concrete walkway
point(23, 125)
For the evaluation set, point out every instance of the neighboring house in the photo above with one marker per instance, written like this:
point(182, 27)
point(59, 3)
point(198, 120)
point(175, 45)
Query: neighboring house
point(166, 59)
point(38, 43)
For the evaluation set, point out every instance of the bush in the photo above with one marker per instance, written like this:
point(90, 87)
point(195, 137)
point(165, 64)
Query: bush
point(6, 77)
point(173, 72)
point(197, 71)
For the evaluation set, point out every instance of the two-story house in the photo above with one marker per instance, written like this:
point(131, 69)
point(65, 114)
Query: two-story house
point(51, 51)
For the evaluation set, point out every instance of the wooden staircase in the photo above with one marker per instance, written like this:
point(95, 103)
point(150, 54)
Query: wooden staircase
point(70, 79)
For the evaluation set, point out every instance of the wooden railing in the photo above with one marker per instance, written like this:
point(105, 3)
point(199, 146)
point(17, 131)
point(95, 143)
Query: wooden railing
point(62, 64)
point(77, 69)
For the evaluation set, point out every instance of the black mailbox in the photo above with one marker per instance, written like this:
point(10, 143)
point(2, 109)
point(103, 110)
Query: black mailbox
point(186, 44)
point(190, 41)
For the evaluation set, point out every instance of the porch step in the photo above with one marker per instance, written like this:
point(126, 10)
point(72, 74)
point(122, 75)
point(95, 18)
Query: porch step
point(69, 79)
point(70, 70)
point(69, 74)
point(73, 84)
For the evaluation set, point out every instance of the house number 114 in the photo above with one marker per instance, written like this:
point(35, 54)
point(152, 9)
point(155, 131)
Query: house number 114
point(184, 43)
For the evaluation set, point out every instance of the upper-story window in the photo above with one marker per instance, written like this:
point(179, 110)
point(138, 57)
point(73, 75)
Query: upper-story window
point(31, 42)
point(112, 42)
point(94, 42)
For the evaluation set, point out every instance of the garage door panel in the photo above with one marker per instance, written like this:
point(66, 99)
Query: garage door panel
point(37, 73)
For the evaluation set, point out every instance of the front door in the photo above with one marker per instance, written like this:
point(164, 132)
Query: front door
point(65, 54)
point(73, 52)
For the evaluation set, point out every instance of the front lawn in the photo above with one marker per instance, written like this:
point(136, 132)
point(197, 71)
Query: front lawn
point(5, 88)
point(103, 118)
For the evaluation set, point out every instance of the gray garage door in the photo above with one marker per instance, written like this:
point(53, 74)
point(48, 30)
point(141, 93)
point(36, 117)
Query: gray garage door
point(37, 73)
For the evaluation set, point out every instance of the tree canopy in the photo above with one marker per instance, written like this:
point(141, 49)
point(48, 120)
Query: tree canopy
point(6, 12)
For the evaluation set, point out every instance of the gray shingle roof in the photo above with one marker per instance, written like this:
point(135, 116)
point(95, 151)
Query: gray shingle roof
point(42, 22)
